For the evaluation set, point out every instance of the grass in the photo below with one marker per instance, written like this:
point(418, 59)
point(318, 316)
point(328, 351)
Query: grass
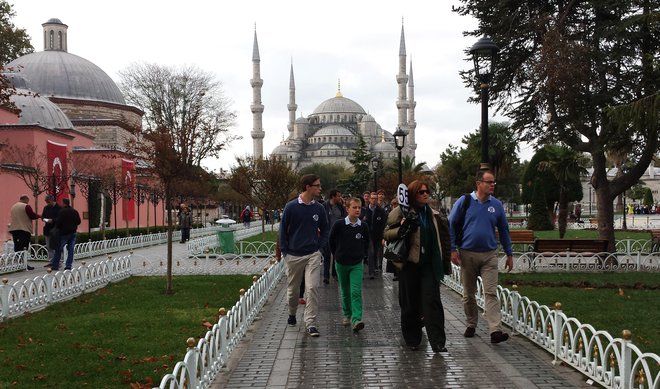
point(128, 332)
point(608, 301)
point(268, 236)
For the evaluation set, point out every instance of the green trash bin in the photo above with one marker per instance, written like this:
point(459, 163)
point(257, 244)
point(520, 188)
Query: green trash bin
point(226, 240)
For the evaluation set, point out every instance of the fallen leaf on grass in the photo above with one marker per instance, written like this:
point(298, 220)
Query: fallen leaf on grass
point(39, 377)
point(207, 324)
point(21, 367)
point(621, 292)
point(151, 359)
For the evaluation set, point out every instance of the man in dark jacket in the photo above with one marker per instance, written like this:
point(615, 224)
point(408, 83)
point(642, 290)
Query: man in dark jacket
point(376, 219)
point(49, 216)
point(335, 210)
point(67, 222)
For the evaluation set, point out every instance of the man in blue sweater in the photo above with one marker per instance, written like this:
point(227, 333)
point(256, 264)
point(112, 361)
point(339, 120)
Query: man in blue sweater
point(303, 233)
point(474, 249)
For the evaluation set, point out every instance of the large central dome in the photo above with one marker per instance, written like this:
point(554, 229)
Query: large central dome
point(339, 104)
point(60, 74)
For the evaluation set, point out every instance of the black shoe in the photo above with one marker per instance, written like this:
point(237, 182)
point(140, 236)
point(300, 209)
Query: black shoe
point(326, 281)
point(292, 320)
point(312, 331)
point(469, 332)
point(499, 336)
point(413, 347)
point(358, 326)
point(395, 278)
point(67, 268)
point(439, 349)
point(30, 267)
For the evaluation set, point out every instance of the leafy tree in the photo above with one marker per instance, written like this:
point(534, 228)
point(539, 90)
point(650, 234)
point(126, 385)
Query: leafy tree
point(359, 181)
point(539, 215)
point(566, 166)
point(188, 102)
point(648, 197)
point(582, 73)
point(266, 183)
point(14, 42)
point(330, 174)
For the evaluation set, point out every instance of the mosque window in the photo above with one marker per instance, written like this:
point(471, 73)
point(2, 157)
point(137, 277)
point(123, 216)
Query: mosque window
point(51, 39)
point(59, 40)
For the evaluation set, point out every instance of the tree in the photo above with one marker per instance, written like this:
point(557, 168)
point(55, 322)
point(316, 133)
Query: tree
point(14, 42)
point(539, 216)
point(359, 181)
point(580, 73)
point(266, 183)
point(188, 102)
point(648, 198)
point(330, 174)
point(566, 166)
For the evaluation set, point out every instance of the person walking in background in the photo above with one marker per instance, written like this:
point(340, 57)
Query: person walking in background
point(21, 216)
point(349, 243)
point(335, 210)
point(376, 219)
point(474, 249)
point(246, 216)
point(67, 222)
point(49, 216)
point(303, 233)
point(185, 223)
point(427, 262)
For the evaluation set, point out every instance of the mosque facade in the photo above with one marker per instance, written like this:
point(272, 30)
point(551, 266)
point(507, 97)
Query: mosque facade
point(330, 134)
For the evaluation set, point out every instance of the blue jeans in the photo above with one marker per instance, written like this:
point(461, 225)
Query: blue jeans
point(68, 240)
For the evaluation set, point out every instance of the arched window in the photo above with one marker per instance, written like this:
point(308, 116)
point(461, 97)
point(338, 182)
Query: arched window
point(59, 40)
point(51, 40)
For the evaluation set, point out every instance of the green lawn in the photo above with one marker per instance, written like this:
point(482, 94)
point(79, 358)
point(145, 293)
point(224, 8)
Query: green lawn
point(608, 301)
point(128, 332)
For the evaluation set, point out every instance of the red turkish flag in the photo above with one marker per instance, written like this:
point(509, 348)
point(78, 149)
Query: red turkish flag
point(128, 201)
point(57, 170)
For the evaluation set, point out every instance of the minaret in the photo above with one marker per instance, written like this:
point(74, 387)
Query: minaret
point(55, 35)
point(412, 124)
point(292, 106)
point(257, 108)
point(402, 80)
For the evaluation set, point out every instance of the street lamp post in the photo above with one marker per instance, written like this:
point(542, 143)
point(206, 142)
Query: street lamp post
point(375, 165)
point(72, 191)
point(399, 143)
point(483, 53)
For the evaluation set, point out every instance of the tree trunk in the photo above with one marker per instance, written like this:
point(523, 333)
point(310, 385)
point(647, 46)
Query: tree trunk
point(563, 214)
point(168, 286)
point(604, 202)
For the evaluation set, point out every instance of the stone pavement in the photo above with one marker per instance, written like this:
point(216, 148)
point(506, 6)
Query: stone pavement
point(274, 355)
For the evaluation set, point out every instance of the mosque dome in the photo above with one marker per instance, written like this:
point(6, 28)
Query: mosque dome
point(281, 149)
point(37, 110)
point(339, 104)
point(368, 118)
point(334, 130)
point(302, 120)
point(383, 146)
point(55, 73)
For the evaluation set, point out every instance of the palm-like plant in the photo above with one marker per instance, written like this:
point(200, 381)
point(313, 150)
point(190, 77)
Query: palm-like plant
point(566, 165)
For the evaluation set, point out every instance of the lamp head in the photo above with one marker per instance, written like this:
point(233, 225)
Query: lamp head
point(483, 54)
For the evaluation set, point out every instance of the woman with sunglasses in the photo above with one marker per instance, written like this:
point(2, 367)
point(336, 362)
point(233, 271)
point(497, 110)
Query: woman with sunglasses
point(429, 259)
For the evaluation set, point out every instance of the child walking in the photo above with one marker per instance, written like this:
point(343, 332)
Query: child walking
point(349, 243)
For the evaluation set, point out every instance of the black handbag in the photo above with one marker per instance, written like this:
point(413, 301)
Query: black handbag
point(396, 250)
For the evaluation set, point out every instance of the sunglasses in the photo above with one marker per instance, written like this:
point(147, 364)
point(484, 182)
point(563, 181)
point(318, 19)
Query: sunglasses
point(424, 191)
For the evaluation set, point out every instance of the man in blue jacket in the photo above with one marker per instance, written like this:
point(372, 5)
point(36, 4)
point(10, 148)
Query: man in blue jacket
point(304, 232)
point(474, 249)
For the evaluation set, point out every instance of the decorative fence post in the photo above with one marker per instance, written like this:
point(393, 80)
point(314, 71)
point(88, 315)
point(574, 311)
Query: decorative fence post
point(557, 325)
point(4, 293)
point(626, 360)
point(515, 304)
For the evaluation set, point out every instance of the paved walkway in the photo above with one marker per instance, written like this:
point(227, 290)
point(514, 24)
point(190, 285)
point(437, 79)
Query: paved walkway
point(274, 355)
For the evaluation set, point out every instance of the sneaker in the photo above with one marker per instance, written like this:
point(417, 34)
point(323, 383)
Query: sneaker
point(302, 301)
point(312, 331)
point(30, 267)
point(469, 332)
point(292, 320)
point(498, 336)
point(358, 326)
point(438, 349)
point(346, 321)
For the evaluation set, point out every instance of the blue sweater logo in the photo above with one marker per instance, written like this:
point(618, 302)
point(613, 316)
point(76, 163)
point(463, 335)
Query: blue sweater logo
point(358, 236)
point(315, 217)
point(491, 209)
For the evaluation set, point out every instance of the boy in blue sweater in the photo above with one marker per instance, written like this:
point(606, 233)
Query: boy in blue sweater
point(303, 232)
point(349, 243)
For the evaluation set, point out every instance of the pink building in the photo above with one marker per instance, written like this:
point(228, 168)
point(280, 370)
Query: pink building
point(71, 133)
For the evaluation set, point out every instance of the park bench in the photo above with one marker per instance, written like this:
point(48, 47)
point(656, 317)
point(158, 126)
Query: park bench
point(597, 248)
point(655, 241)
point(525, 238)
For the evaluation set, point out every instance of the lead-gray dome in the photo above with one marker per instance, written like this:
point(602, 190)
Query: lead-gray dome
point(333, 130)
point(339, 104)
point(37, 110)
point(61, 74)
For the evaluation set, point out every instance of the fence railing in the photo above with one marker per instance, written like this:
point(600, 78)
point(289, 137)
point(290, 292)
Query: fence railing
point(37, 293)
point(10, 261)
point(203, 361)
point(612, 362)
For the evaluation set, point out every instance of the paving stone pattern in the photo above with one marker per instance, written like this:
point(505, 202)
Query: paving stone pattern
point(275, 355)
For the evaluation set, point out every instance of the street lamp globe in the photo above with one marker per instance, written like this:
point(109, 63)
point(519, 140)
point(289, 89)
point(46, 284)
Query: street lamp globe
point(399, 138)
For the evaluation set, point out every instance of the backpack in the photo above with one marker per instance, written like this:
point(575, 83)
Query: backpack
point(460, 219)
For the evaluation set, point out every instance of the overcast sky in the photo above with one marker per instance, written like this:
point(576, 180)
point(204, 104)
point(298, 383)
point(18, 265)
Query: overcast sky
point(354, 41)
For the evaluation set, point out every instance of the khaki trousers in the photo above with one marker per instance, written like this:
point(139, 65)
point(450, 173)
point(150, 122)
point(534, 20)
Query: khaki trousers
point(309, 267)
point(474, 264)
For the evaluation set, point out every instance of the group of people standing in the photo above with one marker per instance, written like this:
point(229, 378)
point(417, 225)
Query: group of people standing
point(60, 227)
point(352, 234)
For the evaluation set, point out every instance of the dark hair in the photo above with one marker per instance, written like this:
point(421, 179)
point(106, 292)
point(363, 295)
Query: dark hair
point(66, 201)
point(308, 180)
point(414, 188)
point(333, 192)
